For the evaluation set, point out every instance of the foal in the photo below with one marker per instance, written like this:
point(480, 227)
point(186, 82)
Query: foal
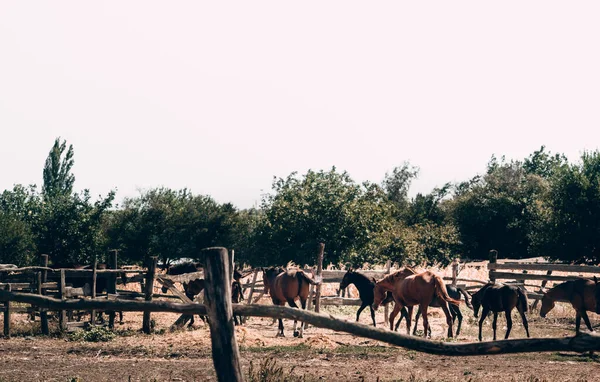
point(365, 291)
point(286, 286)
point(500, 298)
point(581, 293)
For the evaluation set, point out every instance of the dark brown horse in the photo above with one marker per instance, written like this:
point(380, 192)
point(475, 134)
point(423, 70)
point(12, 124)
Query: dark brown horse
point(410, 289)
point(286, 286)
point(581, 293)
point(365, 290)
point(500, 298)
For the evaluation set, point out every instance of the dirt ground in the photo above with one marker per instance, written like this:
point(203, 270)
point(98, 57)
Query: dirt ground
point(322, 354)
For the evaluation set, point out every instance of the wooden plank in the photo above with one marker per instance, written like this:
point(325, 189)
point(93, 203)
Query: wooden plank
point(546, 267)
point(319, 277)
point(521, 276)
point(62, 315)
point(7, 313)
point(184, 278)
point(225, 351)
point(146, 327)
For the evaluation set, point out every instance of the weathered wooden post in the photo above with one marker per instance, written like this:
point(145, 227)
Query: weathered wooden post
point(311, 294)
point(111, 288)
point(225, 352)
point(43, 312)
point(7, 313)
point(493, 260)
point(254, 277)
point(150, 275)
point(94, 281)
point(386, 308)
point(454, 271)
point(62, 314)
point(319, 277)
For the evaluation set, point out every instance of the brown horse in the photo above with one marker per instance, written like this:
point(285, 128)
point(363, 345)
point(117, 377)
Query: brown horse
point(581, 293)
point(286, 286)
point(410, 289)
point(498, 298)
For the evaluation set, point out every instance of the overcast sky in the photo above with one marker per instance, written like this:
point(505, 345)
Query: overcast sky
point(221, 96)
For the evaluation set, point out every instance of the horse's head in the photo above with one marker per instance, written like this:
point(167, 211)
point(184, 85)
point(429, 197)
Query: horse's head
point(547, 305)
point(347, 280)
point(476, 302)
point(378, 295)
point(123, 276)
point(237, 294)
point(269, 275)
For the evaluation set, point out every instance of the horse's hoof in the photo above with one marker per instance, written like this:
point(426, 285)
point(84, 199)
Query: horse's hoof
point(296, 333)
point(280, 335)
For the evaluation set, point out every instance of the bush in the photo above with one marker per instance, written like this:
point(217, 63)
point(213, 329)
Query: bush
point(94, 334)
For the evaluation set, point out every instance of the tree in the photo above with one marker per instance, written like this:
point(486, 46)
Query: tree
point(318, 207)
point(397, 184)
point(572, 229)
point(58, 179)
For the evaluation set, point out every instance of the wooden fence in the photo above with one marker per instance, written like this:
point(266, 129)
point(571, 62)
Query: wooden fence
point(220, 311)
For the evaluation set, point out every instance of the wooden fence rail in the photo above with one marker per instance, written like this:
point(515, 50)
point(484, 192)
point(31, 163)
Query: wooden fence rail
point(582, 343)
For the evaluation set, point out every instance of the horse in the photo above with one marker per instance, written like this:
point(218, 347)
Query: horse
point(286, 286)
point(365, 291)
point(453, 292)
point(194, 287)
point(497, 298)
point(191, 288)
point(409, 289)
point(581, 293)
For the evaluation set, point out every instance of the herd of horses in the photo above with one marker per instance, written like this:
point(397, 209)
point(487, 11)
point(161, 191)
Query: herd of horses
point(406, 288)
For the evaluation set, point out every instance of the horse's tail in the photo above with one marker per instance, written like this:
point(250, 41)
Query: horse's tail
point(303, 276)
point(522, 300)
point(467, 298)
point(442, 293)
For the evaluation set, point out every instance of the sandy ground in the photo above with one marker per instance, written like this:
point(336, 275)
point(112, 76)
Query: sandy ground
point(185, 355)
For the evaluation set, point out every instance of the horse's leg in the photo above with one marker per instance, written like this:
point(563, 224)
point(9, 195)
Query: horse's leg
point(484, 314)
point(362, 307)
point(524, 319)
point(120, 317)
point(586, 320)
point(292, 304)
point(423, 309)
point(393, 315)
point(417, 320)
point(508, 323)
point(449, 321)
point(577, 322)
point(403, 315)
point(409, 319)
point(456, 314)
point(372, 315)
point(494, 324)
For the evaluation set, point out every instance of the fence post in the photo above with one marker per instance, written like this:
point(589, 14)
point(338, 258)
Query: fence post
point(7, 313)
point(112, 284)
point(254, 277)
point(62, 315)
point(94, 281)
point(150, 275)
point(311, 292)
point(454, 271)
point(43, 312)
point(225, 352)
point(319, 277)
point(386, 308)
point(493, 260)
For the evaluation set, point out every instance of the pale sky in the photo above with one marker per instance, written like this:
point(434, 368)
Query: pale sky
point(221, 96)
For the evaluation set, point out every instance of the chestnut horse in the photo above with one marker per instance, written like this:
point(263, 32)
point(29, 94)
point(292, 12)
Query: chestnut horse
point(410, 289)
point(286, 286)
point(581, 293)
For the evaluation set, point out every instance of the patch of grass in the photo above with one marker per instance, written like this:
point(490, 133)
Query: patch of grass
point(564, 357)
point(277, 349)
point(94, 334)
point(268, 371)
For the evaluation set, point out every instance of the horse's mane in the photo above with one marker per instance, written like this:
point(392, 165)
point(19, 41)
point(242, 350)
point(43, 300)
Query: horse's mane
point(291, 265)
point(399, 274)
